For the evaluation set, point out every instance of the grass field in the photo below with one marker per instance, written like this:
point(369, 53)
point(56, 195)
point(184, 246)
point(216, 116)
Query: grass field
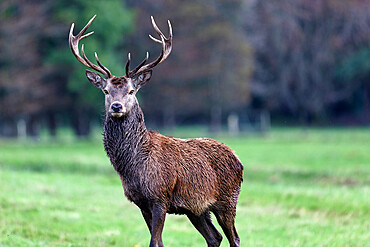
point(301, 188)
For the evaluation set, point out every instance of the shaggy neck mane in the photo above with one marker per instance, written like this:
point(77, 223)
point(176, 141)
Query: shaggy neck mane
point(124, 139)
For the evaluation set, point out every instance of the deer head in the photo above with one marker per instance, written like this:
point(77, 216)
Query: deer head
point(120, 91)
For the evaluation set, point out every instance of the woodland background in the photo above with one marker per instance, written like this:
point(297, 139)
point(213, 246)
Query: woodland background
point(291, 62)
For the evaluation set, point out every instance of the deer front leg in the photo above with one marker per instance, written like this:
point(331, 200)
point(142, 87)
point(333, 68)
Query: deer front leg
point(158, 218)
point(148, 218)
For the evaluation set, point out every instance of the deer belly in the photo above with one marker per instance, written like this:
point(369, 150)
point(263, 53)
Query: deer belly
point(194, 193)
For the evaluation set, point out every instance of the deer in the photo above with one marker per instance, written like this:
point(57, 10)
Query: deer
point(161, 174)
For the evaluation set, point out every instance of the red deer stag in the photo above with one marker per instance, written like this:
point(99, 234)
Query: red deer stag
point(163, 174)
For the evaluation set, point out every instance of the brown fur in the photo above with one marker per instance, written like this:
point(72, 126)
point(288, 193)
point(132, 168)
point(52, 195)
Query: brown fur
point(192, 176)
point(118, 80)
point(164, 174)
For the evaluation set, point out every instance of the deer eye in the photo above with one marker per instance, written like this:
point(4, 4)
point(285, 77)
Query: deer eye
point(131, 92)
point(105, 91)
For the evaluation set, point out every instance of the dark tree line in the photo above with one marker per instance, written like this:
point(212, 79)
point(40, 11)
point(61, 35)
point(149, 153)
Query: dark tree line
point(209, 70)
point(40, 81)
point(303, 60)
point(311, 57)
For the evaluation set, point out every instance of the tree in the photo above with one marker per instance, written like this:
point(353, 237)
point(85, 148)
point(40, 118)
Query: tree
point(113, 21)
point(209, 69)
point(23, 74)
point(39, 76)
point(298, 46)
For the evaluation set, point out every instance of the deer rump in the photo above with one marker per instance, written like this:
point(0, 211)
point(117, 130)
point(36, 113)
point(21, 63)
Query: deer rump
point(191, 175)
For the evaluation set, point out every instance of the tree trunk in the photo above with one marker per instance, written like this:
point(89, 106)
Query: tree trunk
point(81, 123)
point(8, 128)
point(366, 104)
point(215, 98)
point(265, 121)
point(233, 124)
point(21, 128)
point(52, 124)
point(216, 119)
point(33, 127)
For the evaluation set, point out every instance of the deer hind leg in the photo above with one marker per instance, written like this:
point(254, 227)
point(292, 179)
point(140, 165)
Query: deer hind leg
point(226, 219)
point(212, 227)
point(204, 225)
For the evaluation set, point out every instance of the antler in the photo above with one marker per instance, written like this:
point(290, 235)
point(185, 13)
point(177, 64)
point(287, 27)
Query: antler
point(166, 50)
point(73, 44)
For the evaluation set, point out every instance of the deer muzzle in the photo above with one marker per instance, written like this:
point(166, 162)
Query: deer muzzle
point(117, 109)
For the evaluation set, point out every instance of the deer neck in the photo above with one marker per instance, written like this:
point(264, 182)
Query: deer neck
point(125, 138)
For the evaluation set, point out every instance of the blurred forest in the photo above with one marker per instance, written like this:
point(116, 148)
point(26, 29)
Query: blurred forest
point(294, 61)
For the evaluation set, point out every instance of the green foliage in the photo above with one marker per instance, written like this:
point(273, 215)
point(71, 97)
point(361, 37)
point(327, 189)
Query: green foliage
point(301, 188)
point(309, 61)
point(8, 11)
point(355, 66)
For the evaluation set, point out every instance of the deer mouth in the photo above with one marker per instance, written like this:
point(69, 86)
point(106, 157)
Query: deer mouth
point(116, 114)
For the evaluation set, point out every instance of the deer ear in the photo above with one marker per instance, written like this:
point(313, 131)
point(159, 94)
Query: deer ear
point(143, 78)
point(96, 79)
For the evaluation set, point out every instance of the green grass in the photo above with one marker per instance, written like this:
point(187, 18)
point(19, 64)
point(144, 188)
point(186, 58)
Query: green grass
point(301, 188)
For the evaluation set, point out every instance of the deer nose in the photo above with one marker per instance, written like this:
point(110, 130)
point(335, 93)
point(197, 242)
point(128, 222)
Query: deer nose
point(116, 107)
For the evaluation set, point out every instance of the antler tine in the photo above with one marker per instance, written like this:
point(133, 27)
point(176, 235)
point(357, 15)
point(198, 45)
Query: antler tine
point(90, 64)
point(100, 69)
point(83, 30)
point(102, 66)
point(128, 65)
point(154, 39)
point(170, 28)
point(159, 32)
point(166, 50)
point(86, 35)
point(133, 72)
point(73, 44)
